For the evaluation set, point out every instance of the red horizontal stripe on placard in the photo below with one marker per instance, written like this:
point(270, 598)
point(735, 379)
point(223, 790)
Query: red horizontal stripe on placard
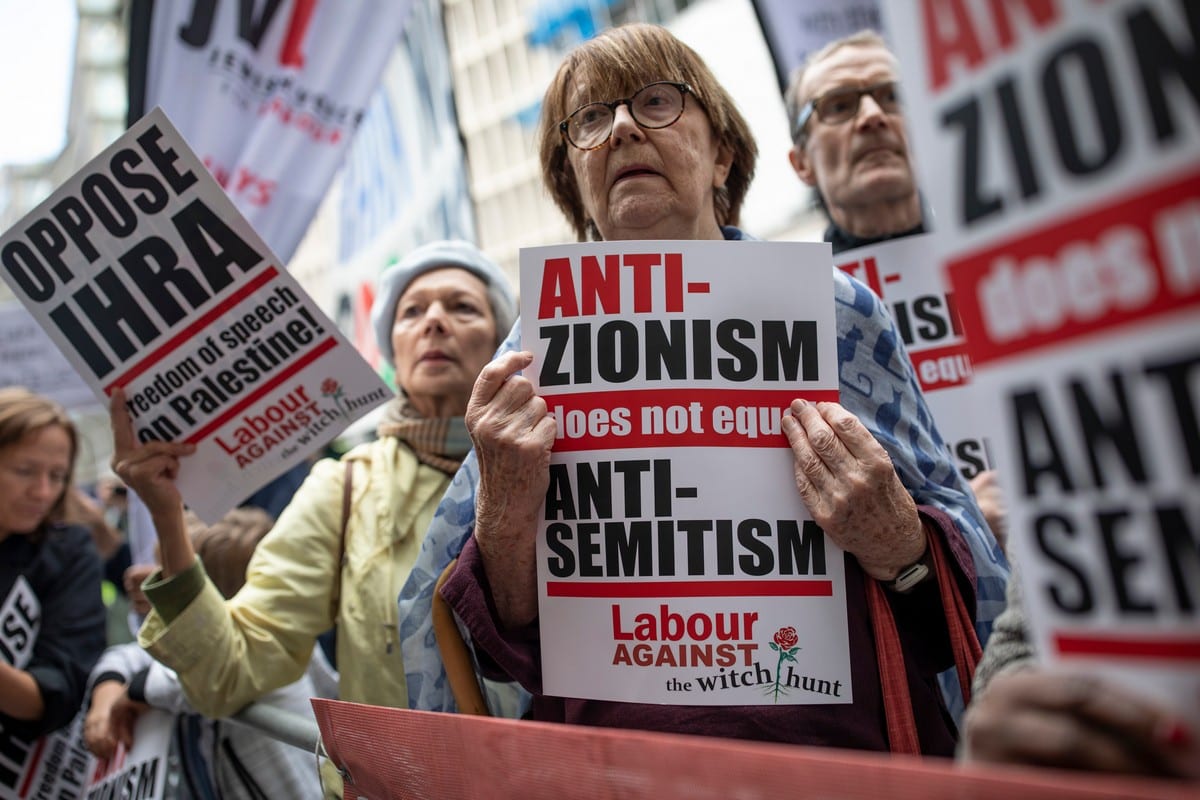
point(1161, 648)
point(32, 766)
point(942, 367)
point(743, 588)
point(200, 323)
point(1082, 276)
point(599, 407)
point(253, 397)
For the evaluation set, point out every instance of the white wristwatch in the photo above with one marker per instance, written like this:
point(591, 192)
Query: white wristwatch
point(912, 575)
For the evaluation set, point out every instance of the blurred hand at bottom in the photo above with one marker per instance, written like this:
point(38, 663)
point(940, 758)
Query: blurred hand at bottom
point(1053, 719)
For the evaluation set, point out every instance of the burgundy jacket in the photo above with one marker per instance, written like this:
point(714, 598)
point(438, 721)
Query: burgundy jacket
point(516, 655)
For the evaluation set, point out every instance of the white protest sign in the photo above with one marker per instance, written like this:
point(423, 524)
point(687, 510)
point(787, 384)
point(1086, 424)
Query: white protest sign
point(147, 278)
point(29, 358)
point(141, 771)
point(906, 275)
point(56, 765)
point(676, 561)
point(20, 622)
point(1060, 143)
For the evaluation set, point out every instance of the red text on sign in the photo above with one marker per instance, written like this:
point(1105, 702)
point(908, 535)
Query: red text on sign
point(598, 289)
point(964, 34)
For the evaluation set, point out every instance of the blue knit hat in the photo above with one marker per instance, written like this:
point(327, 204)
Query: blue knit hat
point(439, 255)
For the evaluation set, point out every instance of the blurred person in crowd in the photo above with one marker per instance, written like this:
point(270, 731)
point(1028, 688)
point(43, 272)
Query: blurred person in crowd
point(81, 508)
point(438, 316)
point(639, 141)
point(114, 498)
point(53, 621)
point(217, 760)
point(850, 144)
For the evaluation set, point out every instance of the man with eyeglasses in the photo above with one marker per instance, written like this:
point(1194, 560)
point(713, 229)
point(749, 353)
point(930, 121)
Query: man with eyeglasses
point(849, 141)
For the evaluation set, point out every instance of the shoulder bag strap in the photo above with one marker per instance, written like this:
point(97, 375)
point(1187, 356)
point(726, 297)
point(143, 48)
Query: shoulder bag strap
point(893, 677)
point(347, 489)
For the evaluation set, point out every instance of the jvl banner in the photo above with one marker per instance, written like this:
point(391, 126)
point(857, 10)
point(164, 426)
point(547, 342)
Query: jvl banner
point(268, 94)
point(1060, 143)
point(905, 273)
point(676, 561)
point(147, 278)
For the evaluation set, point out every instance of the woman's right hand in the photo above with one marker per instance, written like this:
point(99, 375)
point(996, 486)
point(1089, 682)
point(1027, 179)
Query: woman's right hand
point(149, 469)
point(513, 435)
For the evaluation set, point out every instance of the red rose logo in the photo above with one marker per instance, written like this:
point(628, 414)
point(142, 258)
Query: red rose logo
point(786, 638)
point(331, 388)
point(785, 645)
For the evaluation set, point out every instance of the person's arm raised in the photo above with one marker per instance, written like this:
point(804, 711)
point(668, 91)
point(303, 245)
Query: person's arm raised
point(150, 469)
point(513, 435)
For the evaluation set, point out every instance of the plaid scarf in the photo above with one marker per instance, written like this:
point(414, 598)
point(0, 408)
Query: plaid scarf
point(442, 443)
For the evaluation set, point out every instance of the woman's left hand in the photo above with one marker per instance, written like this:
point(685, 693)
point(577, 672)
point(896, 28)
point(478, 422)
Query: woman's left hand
point(851, 488)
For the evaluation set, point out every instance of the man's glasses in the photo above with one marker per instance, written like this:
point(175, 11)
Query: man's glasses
point(839, 105)
point(655, 105)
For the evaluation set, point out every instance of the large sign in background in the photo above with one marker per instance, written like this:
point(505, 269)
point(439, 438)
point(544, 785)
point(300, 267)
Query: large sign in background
point(29, 358)
point(268, 94)
point(1060, 144)
point(906, 275)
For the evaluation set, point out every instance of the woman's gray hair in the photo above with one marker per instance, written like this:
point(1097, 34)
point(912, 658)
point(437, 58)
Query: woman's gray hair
point(440, 255)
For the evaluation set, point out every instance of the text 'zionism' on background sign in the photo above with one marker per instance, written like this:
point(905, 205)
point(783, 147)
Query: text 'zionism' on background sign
point(146, 276)
point(905, 274)
point(676, 561)
point(1060, 144)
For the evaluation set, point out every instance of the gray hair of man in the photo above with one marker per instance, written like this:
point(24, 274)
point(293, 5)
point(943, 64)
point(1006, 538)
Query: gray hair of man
point(792, 99)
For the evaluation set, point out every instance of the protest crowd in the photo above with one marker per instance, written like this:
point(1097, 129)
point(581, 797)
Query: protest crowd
point(457, 561)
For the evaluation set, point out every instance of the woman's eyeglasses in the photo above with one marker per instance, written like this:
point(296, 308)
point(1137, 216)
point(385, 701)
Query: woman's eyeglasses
point(655, 105)
point(839, 105)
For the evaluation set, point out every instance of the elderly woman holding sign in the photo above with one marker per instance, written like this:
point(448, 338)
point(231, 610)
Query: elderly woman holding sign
point(340, 551)
point(639, 141)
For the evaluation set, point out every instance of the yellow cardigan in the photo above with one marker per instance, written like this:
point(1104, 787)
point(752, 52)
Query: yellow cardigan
point(229, 653)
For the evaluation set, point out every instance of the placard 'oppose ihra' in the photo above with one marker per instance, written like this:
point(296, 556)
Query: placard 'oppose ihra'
point(146, 276)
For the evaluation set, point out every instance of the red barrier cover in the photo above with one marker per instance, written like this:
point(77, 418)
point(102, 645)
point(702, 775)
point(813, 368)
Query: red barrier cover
point(396, 753)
